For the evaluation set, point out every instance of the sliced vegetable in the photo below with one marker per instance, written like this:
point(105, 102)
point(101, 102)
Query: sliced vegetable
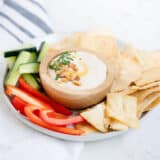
point(57, 107)
point(29, 68)
point(10, 61)
point(57, 115)
point(59, 122)
point(17, 51)
point(43, 50)
point(19, 104)
point(13, 75)
point(30, 112)
point(30, 79)
point(11, 90)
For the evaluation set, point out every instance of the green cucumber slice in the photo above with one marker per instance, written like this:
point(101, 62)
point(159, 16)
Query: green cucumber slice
point(29, 68)
point(10, 61)
point(13, 75)
point(43, 50)
point(17, 51)
point(31, 80)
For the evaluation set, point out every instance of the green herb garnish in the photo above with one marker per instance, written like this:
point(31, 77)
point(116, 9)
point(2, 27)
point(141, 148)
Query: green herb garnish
point(64, 59)
point(57, 77)
point(55, 66)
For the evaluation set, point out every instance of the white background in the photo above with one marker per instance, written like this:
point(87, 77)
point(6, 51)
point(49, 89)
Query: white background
point(133, 21)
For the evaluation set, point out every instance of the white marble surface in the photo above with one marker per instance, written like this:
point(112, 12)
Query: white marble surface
point(134, 21)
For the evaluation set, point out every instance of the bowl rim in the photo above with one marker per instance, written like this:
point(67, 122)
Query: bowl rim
point(45, 63)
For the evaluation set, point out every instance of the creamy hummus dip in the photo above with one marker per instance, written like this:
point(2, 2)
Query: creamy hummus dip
point(78, 70)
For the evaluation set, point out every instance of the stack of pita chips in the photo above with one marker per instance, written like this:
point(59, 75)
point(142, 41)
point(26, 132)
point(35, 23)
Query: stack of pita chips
point(135, 90)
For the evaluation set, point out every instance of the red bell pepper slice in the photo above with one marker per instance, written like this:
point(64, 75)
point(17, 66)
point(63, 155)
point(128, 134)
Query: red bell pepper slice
point(59, 122)
point(30, 112)
point(11, 90)
point(57, 115)
point(19, 104)
point(22, 98)
point(57, 107)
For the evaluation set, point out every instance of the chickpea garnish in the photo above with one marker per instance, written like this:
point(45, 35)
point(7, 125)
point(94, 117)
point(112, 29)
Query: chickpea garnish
point(77, 83)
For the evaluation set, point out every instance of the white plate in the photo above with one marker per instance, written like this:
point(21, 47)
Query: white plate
point(91, 137)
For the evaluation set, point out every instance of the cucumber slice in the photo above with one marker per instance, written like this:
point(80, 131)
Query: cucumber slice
point(17, 51)
point(13, 75)
point(31, 80)
point(10, 61)
point(29, 68)
point(43, 50)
